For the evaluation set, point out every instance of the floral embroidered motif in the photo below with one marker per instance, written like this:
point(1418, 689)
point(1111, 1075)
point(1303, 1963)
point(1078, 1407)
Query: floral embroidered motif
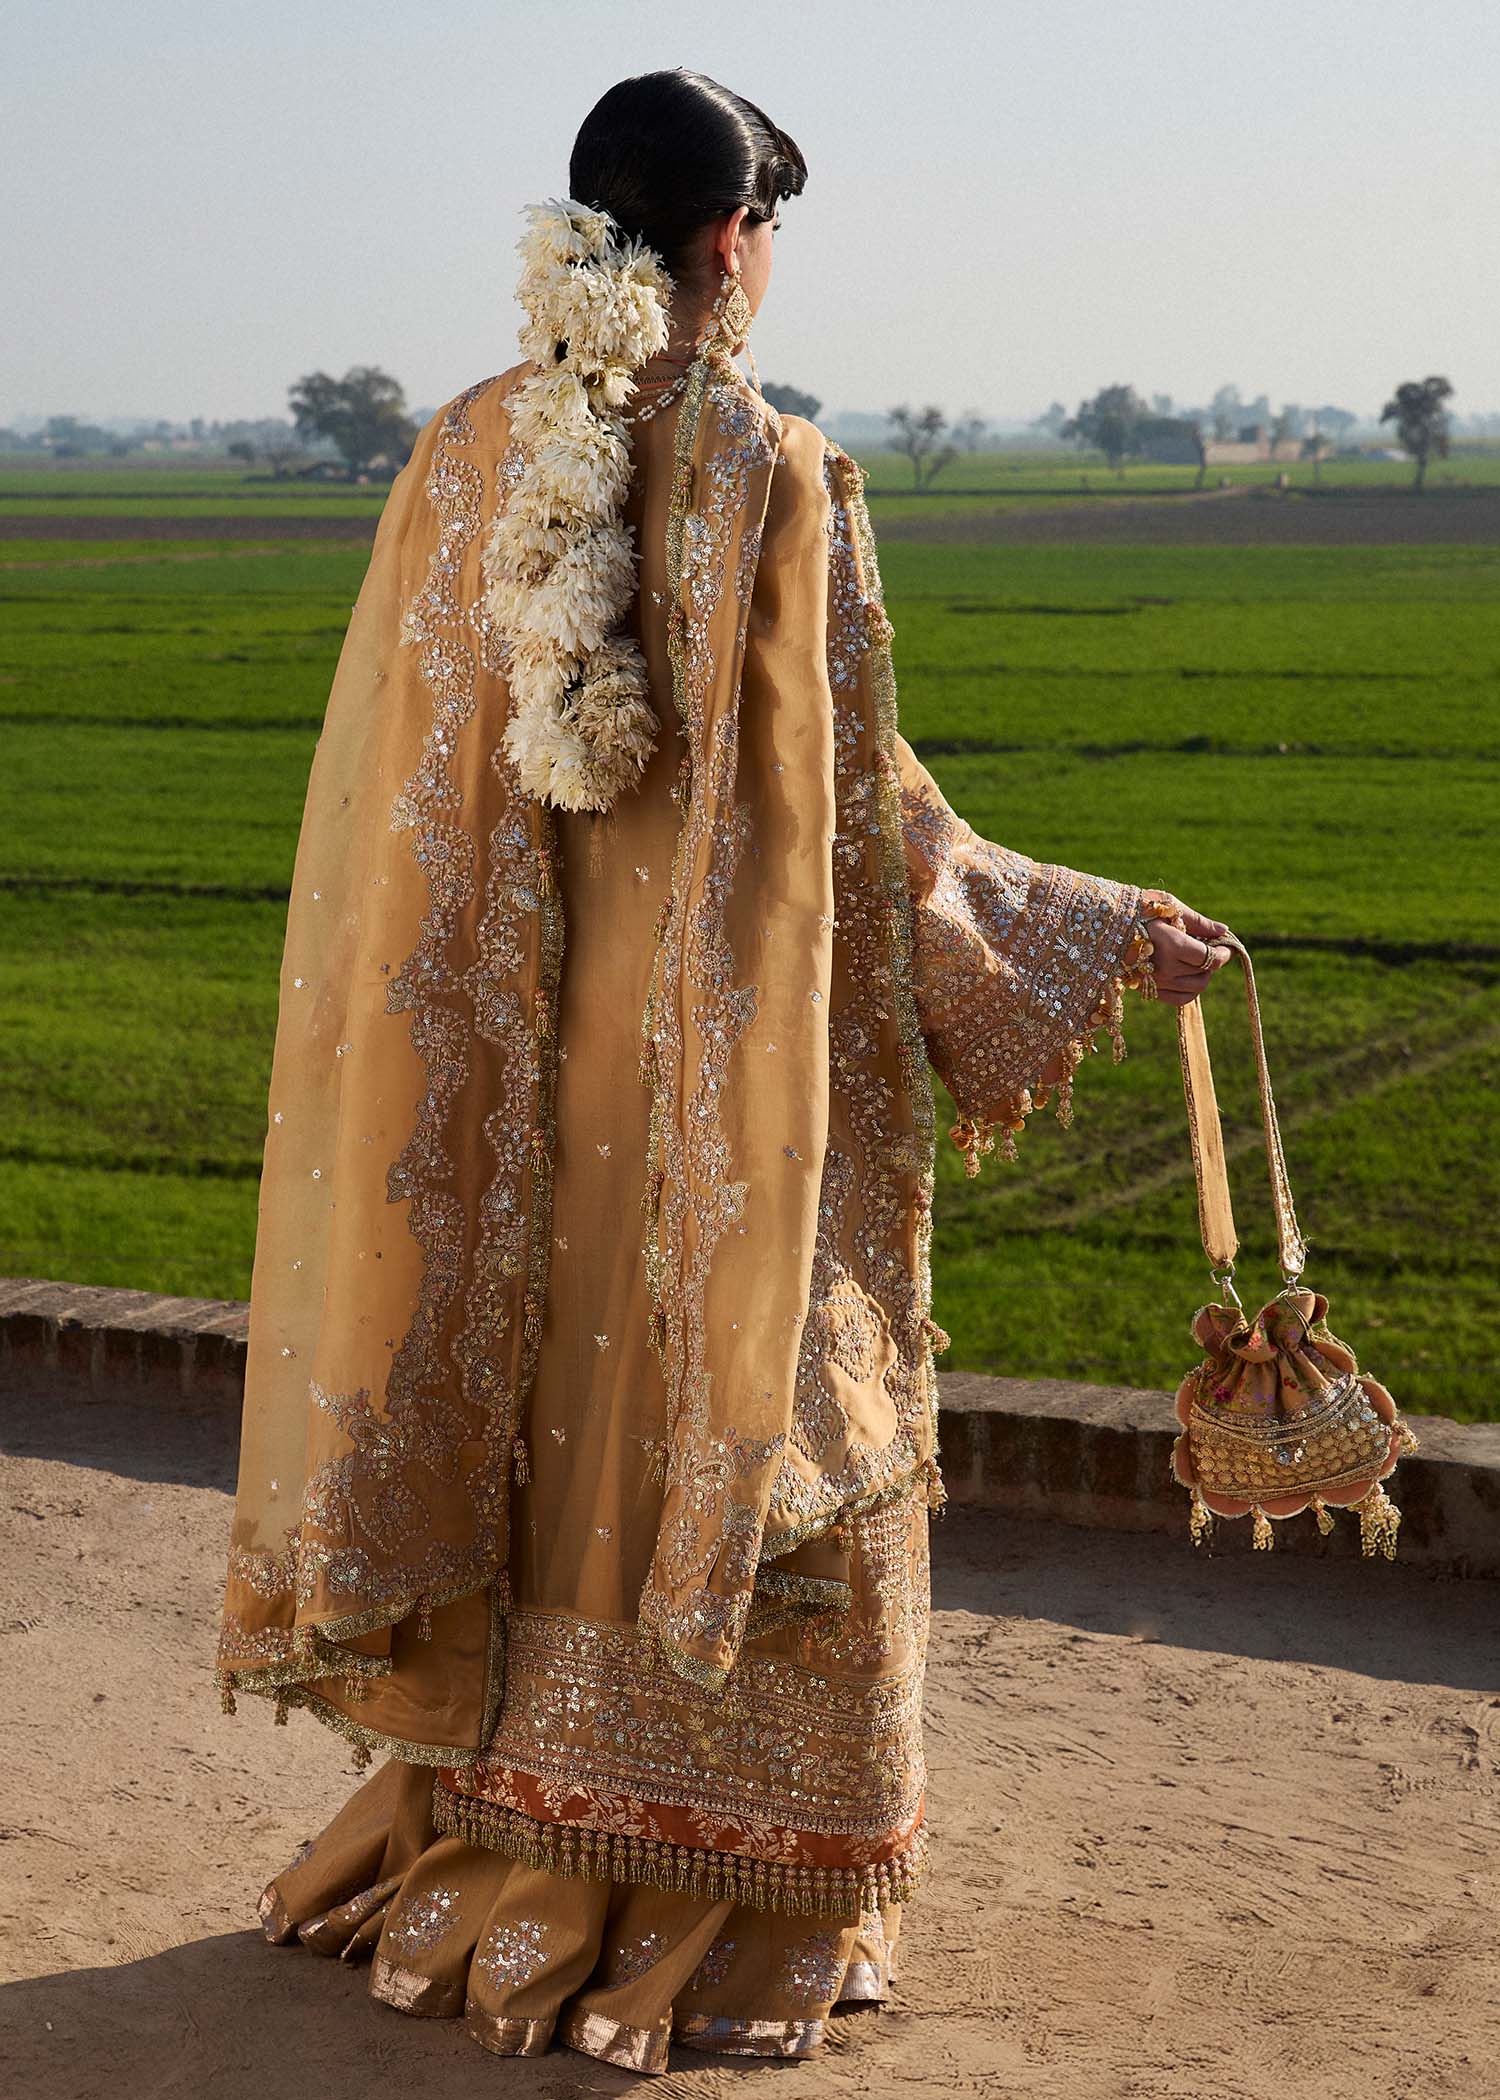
point(812, 1969)
point(631, 1961)
point(512, 1954)
point(424, 1921)
point(715, 1965)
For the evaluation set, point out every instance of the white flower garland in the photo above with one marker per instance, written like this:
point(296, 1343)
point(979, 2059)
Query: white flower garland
point(559, 567)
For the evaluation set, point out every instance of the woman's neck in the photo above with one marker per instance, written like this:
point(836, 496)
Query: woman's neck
point(687, 318)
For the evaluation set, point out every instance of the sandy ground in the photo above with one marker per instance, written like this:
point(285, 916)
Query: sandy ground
point(1214, 1829)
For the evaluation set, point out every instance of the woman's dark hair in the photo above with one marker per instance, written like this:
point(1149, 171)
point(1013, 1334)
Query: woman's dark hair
point(665, 153)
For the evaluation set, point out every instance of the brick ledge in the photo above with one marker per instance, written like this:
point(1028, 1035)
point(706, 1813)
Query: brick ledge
point(1092, 1455)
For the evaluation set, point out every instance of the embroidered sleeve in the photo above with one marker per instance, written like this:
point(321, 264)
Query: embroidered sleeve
point(1017, 964)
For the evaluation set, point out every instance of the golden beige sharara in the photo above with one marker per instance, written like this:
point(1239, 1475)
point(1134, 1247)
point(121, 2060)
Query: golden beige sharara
point(589, 1432)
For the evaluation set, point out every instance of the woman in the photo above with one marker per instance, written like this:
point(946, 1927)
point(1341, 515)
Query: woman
point(589, 1430)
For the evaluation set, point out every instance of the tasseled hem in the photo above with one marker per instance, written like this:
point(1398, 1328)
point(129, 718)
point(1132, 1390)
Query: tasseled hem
point(569, 1849)
point(976, 1137)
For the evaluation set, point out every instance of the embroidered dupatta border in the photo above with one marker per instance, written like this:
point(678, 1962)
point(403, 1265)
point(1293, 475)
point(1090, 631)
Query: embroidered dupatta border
point(677, 1158)
point(911, 1455)
point(288, 1664)
point(870, 1480)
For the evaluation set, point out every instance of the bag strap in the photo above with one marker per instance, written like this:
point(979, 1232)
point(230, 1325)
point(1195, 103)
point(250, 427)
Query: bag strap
point(1215, 1212)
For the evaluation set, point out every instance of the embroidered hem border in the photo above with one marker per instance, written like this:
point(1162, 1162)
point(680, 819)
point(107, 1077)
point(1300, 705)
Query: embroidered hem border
point(312, 1655)
point(568, 1849)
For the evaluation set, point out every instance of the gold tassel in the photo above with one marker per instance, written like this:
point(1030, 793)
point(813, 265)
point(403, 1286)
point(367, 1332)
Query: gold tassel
point(518, 1453)
point(1264, 1538)
point(1200, 1520)
point(659, 1461)
point(424, 1618)
point(937, 1493)
point(1406, 1438)
point(546, 882)
point(543, 1014)
point(361, 1757)
point(281, 1709)
point(1323, 1514)
point(974, 1140)
point(226, 1696)
point(1379, 1522)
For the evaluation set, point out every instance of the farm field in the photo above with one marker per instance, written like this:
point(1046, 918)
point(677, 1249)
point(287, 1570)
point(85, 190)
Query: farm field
point(1302, 739)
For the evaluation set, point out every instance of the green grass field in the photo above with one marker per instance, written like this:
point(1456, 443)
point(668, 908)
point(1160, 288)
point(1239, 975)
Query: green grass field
point(1304, 741)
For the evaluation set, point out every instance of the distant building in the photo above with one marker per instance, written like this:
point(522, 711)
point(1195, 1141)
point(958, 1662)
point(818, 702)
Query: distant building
point(1169, 441)
point(1255, 446)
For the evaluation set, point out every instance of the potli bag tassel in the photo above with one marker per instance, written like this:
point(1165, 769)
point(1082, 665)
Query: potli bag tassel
point(1278, 1417)
point(1379, 1522)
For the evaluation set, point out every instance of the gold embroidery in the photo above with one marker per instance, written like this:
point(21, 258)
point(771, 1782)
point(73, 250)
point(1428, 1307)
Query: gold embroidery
point(367, 1497)
point(879, 1166)
point(711, 1520)
point(591, 1710)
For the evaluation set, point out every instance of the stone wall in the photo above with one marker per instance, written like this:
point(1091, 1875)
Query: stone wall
point(1090, 1455)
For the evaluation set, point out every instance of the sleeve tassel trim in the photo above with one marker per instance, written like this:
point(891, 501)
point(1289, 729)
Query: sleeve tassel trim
point(976, 1137)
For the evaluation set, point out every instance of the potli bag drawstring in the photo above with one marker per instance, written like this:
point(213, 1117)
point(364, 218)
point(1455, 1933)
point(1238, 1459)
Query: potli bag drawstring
point(1278, 1417)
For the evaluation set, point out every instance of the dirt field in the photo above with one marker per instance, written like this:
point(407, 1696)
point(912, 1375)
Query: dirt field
point(1236, 518)
point(1207, 1830)
point(251, 525)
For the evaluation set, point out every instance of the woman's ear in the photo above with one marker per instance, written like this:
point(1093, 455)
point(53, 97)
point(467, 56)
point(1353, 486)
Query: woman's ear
point(727, 239)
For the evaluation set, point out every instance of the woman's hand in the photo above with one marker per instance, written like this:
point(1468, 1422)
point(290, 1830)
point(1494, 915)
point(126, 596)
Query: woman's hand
point(1184, 958)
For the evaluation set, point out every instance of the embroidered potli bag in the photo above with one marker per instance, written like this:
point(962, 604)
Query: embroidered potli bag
point(1278, 1417)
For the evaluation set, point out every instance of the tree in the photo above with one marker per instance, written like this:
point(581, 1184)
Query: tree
point(1313, 447)
point(1228, 412)
point(970, 431)
point(68, 438)
point(791, 401)
point(1334, 422)
point(1421, 421)
point(1110, 423)
point(1051, 420)
point(242, 449)
point(363, 415)
point(1290, 423)
point(917, 432)
point(284, 453)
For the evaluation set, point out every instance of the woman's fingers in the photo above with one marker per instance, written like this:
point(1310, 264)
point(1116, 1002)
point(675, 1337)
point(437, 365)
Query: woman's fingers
point(1205, 929)
point(1184, 961)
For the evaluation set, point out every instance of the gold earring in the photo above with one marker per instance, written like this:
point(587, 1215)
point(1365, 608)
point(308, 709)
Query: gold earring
point(729, 318)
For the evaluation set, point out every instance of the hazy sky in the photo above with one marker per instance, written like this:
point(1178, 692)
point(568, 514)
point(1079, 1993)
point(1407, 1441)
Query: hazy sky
point(1007, 202)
